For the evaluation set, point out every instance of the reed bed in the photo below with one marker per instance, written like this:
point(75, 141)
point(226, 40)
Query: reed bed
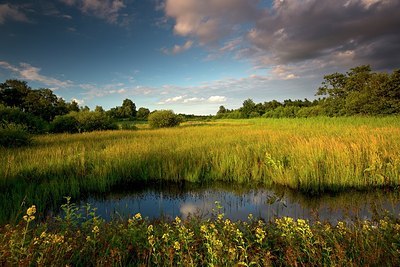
point(312, 155)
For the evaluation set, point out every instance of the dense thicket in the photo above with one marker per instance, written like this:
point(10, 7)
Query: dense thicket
point(163, 118)
point(40, 111)
point(359, 91)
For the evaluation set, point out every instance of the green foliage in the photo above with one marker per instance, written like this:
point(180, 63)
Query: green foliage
point(13, 93)
point(357, 92)
point(126, 111)
point(42, 102)
point(14, 135)
point(14, 115)
point(83, 121)
point(163, 118)
point(198, 242)
point(143, 114)
point(93, 121)
point(65, 124)
point(248, 108)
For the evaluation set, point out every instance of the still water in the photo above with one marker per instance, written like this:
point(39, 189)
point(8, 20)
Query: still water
point(156, 201)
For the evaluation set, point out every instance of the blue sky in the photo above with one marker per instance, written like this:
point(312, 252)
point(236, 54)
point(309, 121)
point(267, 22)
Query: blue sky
point(192, 56)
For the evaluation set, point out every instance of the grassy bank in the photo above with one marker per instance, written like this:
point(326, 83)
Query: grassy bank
point(198, 242)
point(312, 155)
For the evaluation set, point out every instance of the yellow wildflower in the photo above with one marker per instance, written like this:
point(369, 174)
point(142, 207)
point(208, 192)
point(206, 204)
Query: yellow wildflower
point(31, 210)
point(177, 245)
point(95, 230)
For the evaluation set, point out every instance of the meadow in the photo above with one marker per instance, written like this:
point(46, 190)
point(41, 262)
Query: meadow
point(313, 155)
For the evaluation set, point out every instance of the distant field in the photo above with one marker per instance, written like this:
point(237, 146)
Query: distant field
point(312, 155)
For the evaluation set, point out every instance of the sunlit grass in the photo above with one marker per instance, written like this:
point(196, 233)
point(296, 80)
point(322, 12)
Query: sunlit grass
point(311, 155)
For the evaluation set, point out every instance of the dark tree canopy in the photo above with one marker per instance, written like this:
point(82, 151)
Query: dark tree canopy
point(360, 91)
point(143, 113)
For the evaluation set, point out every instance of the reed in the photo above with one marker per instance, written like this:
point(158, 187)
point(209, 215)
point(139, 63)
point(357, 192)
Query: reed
point(313, 155)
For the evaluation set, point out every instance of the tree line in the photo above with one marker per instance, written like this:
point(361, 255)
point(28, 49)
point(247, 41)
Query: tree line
point(360, 91)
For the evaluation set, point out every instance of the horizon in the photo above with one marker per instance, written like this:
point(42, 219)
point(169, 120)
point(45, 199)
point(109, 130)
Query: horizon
point(191, 56)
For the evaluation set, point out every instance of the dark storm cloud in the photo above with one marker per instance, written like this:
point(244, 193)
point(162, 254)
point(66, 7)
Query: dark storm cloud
point(342, 32)
point(298, 30)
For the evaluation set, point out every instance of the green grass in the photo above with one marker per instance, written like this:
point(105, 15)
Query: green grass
point(312, 155)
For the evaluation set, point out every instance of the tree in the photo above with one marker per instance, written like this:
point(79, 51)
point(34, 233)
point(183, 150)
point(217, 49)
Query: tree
point(143, 113)
point(13, 93)
point(99, 109)
point(84, 109)
point(73, 106)
point(248, 107)
point(43, 103)
point(163, 118)
point(128, 109)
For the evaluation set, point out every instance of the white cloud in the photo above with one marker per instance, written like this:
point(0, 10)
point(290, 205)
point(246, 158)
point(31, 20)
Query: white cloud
point(10, 12)
point(108, 10)
point(80, 102)
point(27, 72)
point(209, 20)
point(217, 99)
point(178, 48)
point(184, 99)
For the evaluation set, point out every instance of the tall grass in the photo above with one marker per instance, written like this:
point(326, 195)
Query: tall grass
point(312, 155)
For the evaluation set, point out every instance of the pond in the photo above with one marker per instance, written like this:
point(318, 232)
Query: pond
point(171, 200)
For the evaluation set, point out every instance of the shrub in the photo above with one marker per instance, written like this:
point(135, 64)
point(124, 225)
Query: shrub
point(64, 124)
point(164, 118)
point(32, 123)
point(93, 121)
point(14, 135)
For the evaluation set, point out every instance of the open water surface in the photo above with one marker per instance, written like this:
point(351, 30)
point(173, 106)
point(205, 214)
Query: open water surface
point(171, 200)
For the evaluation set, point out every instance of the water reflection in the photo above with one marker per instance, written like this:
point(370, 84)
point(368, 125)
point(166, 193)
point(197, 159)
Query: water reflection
point(155, 201)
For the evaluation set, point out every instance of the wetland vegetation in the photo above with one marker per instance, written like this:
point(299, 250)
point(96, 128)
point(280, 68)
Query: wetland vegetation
point(50, 150)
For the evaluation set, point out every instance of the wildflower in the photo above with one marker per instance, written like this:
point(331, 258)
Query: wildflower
point(177, 220)
point(43, 234)
point(151, 240)
point(31, 210)
point(138, 216)
point(165, 237)
point(177, 245)
point(203, 228)
point(383, 224)
point(260, 234)
point(95, 230)
point(30, 214)
point(150, 228)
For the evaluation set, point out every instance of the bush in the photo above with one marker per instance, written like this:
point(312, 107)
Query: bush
point(93, 121)
point(64, 124)
point(33, 124)
point(164, 118)
point(14, 135)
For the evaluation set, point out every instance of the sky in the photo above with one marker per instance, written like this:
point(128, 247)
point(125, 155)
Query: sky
point(192, 56)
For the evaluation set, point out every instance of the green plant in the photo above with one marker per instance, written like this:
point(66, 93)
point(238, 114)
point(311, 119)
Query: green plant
point(64, 124)
point(163, 118)
point(14, 135)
